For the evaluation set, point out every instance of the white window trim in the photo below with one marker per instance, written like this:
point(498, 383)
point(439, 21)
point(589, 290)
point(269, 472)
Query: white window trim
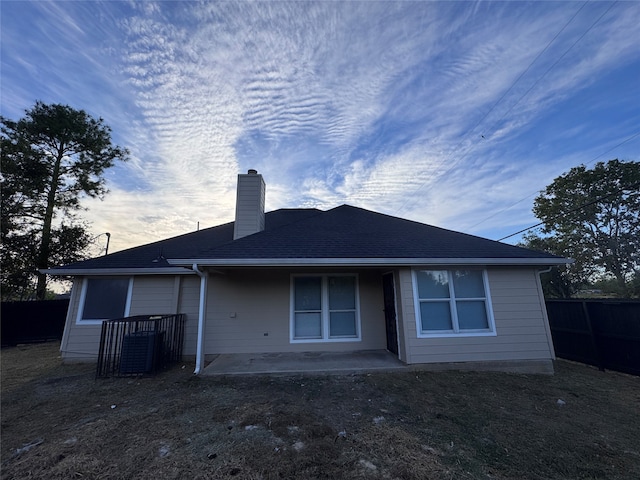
point(98, 321)
point(324, 317)
point(456, 333)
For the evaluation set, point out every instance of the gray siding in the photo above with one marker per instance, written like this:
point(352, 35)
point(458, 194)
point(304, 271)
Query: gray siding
point(79, 342)
point(520, 319)
point(248, 312)
point(242, 306)
point(150, 295)
point(188, 304)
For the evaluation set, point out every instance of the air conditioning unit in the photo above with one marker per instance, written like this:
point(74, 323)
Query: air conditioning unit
point(139, 351)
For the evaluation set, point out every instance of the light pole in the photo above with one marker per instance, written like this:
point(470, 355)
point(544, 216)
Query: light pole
point(106, 250)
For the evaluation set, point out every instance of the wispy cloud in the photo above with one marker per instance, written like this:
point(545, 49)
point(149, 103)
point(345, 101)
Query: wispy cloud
point(410, 108)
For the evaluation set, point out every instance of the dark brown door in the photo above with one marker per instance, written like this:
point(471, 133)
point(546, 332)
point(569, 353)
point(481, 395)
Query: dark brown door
point(390, 312)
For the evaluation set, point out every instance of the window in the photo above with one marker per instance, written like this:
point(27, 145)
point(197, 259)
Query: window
point(104, 298)
point(324, 308)
point(452, 302)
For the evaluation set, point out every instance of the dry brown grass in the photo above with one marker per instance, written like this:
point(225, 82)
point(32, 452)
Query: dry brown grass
point(444, 425)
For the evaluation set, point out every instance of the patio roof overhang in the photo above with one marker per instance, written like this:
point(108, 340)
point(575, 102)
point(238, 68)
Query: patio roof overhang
point(358, 262)
point(183, 266)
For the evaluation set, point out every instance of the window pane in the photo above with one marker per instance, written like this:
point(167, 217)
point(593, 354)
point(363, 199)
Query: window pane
point(342, 293)
point(435, 316)
point(105, 298)
point(307, 325)
point(307, 293)
point(433, 284)
point(342, 324)
point(472, 315)
point(468, 284)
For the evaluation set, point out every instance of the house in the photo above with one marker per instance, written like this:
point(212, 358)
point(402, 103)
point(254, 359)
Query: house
point(306, 280)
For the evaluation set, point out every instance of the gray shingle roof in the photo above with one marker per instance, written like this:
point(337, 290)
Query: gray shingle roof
point(343, 232)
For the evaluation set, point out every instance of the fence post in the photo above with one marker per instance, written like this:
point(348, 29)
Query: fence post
point(594, 343)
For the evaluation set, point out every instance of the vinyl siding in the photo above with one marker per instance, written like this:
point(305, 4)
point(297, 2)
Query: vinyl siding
point(242, 306)
point(79, 342)
point(150, 295)
point(188, 303)
point(248, 311)
point(520, 319)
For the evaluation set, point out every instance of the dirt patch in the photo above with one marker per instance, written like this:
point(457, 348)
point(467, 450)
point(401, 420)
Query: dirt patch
point(58, 422)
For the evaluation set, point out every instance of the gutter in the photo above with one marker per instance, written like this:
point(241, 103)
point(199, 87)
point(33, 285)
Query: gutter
point(118, 271)
point(202, 309)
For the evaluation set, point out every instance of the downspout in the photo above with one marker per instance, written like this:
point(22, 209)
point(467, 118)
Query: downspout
point(540, 272)
point(202, 308)
point(547, 327)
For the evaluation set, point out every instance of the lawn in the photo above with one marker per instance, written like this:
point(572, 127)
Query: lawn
point(58, 422)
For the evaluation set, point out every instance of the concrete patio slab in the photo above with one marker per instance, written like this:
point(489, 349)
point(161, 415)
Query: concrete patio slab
point(304, 363)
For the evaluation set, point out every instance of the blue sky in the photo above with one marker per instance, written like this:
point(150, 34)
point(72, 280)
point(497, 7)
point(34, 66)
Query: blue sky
point(449, 113)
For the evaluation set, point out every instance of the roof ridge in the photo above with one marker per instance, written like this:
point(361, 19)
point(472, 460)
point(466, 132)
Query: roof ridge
point(416, 222)
point(275, 229)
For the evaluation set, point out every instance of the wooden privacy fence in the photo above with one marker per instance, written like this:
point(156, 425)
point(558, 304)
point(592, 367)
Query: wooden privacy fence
point(32, 322)
point(604, 333)
point(140, 345)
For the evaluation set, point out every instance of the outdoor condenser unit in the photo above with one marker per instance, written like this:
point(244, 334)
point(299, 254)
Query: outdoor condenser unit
point(139, 352)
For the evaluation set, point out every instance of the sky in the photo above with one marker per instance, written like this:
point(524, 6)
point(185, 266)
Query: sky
point(454, 113)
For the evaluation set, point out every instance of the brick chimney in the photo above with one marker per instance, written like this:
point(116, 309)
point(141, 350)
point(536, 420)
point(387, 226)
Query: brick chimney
point(249, 205)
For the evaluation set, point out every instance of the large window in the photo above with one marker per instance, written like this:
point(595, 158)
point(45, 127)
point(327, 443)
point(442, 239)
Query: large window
point(324, 308)
point(104, 298)
point(452, 302)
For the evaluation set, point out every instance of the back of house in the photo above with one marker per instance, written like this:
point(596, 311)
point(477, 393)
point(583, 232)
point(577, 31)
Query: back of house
point(306, 280)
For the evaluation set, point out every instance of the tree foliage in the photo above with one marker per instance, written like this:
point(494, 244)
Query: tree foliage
point(561, 281)
point(593, 216)
point(51, 158)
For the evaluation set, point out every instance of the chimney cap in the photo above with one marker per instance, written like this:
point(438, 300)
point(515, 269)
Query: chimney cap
point(252, 171)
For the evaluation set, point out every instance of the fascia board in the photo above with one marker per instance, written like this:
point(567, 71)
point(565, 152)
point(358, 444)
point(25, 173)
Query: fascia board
point(118, 271)
point(304, 262)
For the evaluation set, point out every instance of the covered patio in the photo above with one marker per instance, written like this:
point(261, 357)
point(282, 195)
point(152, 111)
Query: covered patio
point(320, 363)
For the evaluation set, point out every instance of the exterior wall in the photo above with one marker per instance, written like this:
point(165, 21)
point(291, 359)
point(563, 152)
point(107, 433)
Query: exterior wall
point(248, 311)
point(153, 295)
point(402, 342)
point(188, 303)
point(242, 306)
point(78, 342)
point(150, 295)
point(520, 319)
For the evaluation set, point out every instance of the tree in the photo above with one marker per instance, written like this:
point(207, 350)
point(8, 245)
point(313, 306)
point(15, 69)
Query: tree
point(593, 216)
point(561, 281)
point(51, 158)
